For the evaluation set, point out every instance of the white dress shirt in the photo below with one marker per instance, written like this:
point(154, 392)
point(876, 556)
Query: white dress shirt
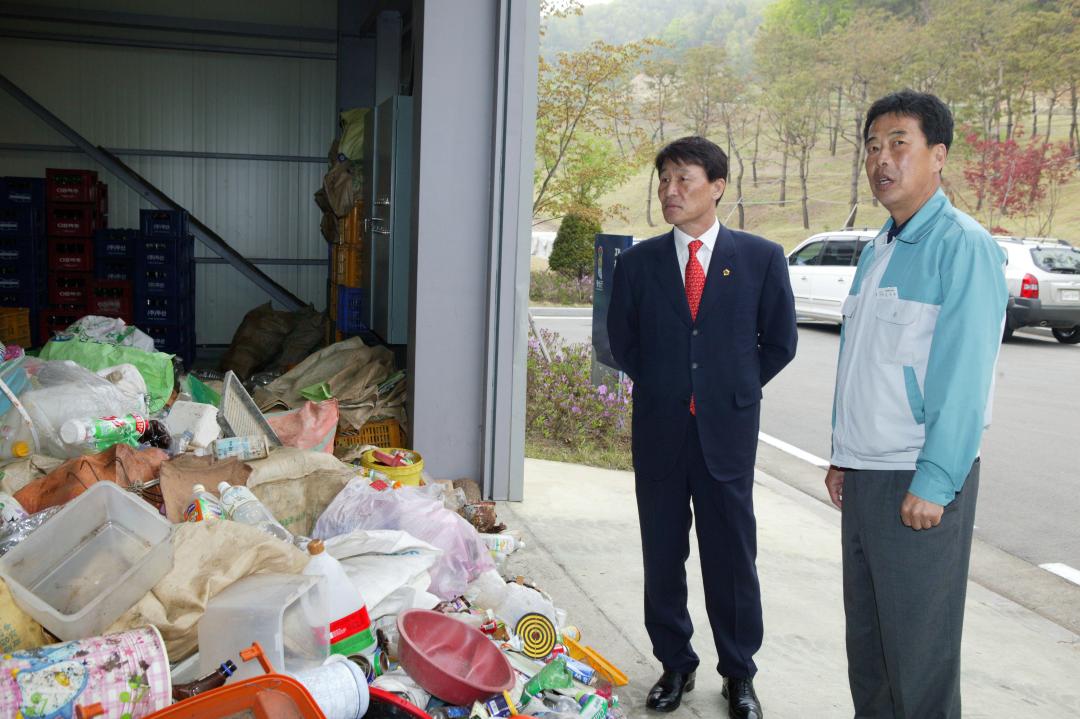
point(704, 253)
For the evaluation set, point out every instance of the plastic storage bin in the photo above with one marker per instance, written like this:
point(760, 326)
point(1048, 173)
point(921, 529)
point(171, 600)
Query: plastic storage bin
point(163, 223)
point(22, 191)
point(90, 563)
point(288, 614)
point(63, 185)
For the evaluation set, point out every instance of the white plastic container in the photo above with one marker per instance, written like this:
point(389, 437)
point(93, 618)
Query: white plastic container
point(90, 563)
point(350, 625)
point(287, 614)
point(195, 417)
point(242, 506)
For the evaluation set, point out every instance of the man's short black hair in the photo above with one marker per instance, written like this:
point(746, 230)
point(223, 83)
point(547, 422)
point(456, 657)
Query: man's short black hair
point(933, 115)
point(695, 150)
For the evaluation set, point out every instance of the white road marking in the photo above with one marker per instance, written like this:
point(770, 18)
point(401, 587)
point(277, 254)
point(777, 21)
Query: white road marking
point(793, 450)
point(1062, 570)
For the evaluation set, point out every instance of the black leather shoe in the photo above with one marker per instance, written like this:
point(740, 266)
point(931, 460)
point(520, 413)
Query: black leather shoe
point(666, 694)
point(741, 699)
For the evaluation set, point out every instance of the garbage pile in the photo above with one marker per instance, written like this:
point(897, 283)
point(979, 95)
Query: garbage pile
point(178, 546)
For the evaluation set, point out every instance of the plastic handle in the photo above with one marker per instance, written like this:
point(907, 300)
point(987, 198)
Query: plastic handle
point(255, 651)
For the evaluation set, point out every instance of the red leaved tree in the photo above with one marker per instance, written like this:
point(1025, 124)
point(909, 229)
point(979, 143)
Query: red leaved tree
point(1014, 180)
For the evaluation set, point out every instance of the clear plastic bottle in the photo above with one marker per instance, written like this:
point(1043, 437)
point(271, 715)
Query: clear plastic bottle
point(16, 440)
point(350, 625)
point(240, 505)
point(204, 505)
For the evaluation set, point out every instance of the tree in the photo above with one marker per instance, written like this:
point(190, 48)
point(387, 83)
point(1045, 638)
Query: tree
point(701, 84)
point(1019, 180)
point(661, 83)
point(583, 94)
point(572, 250)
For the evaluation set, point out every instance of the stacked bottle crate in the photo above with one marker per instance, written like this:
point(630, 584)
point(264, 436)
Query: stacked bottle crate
point(22, 247)
point(165, 282)
point(74, 211)
point(349, 272)
point(113, 290)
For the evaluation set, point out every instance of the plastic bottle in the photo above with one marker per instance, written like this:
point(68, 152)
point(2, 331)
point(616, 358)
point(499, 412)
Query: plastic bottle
point(240, 505)
point(98, 434)
point(16, 440)
point(350, 625)
point(213, 680)
point(203, 506)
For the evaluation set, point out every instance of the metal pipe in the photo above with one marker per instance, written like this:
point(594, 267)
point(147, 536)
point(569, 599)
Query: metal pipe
point(167, 45)
point(156, 197)
point(165, 23)
point(289, 261)
point(27, 147)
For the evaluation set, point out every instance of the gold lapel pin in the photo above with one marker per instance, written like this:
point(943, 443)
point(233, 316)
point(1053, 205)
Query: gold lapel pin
point(726, 272)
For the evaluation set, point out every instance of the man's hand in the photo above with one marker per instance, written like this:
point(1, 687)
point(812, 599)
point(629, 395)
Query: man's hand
point(834, 482)
point(917, 513)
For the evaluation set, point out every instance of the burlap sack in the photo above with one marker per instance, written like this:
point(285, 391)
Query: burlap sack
point(208, 557)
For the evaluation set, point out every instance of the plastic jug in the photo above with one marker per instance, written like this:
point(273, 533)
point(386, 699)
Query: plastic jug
point(350, 625)
point(240, 505)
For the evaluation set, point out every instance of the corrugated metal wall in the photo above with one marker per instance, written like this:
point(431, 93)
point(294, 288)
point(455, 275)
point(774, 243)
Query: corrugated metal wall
point(156, 99)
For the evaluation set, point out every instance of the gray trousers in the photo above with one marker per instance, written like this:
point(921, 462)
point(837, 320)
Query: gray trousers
point(904, 596)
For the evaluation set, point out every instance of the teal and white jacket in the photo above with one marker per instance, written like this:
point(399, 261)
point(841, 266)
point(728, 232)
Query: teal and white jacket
point(918, 350)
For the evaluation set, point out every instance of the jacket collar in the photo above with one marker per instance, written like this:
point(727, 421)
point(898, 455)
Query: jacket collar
point(923, 221)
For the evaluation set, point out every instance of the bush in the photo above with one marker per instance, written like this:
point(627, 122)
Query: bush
point(572, 251)
point(564, 408)
point(551, 287)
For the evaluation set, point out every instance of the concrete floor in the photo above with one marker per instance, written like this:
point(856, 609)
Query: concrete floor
point(583, 548)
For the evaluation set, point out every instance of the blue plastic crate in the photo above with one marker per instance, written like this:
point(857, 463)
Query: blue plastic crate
point(22, 277)
point(164, 252)
point(22, 192)
point(163, 223)
point(163, 310)
point(113, 269)
point(350, 309)
point(21, 221)
point(165, 281)
point(175, 339)
point(115, 244)
point(23, 249)
point(35, 300)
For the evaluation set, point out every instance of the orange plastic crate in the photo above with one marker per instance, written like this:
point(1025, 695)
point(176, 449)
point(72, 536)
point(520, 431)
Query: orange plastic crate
point(351, 226)
point(378, 432)
point(350, 265)
point(15, 325)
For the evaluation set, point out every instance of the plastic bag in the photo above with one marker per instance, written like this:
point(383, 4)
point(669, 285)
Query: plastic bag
point(420, 513)
point(156, 368)
point(111, 330)
point(312, 426)
point(66, 391)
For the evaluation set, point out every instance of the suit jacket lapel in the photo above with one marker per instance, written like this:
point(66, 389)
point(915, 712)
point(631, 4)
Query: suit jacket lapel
point(719, 283)
point(668, 276)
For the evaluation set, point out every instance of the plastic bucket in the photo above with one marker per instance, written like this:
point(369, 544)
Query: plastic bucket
point(126, 673)
point(339, 687)
point(406, 475)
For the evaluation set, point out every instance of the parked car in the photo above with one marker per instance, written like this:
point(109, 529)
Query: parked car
point(1044, 286)
point(821, 270)
point(1043, 277)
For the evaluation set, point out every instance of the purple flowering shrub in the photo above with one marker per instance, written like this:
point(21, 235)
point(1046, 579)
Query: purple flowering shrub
point(558, 289)
point(563, 407)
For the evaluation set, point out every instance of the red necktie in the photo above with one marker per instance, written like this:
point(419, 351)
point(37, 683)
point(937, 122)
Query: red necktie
point(695, 285)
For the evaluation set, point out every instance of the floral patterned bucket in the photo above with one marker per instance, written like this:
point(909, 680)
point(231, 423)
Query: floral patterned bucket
point(127, 673)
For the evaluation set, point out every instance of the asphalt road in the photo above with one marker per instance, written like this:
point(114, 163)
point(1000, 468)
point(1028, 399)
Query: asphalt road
point(1029, 496)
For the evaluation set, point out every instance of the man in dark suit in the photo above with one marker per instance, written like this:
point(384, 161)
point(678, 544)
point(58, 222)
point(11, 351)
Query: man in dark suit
point(700, 319)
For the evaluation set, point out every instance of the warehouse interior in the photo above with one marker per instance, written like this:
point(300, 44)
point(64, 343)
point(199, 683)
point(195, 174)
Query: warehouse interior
point(232, 112)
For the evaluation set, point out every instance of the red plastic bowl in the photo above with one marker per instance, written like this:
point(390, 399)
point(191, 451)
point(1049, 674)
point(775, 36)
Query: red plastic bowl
point(450, 659)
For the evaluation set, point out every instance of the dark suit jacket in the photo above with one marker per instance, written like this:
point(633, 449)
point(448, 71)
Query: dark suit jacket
point(744, 335)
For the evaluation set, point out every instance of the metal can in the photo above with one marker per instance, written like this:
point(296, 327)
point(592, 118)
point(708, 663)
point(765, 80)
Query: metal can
point(243, 448)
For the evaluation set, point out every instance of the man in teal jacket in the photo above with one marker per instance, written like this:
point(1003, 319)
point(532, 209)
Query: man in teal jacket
point(922, 330)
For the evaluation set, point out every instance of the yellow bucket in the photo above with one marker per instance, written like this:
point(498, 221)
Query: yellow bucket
point(409, 474)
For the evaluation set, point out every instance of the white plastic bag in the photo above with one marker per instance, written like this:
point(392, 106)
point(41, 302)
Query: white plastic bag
point(421, 514)
point(389, 568)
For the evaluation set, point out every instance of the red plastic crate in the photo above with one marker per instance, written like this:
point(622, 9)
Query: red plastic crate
point(112, 299)
point(76, 220)
point(71, 185)
point(71, 254)
point(70, 288)
point(58, 319)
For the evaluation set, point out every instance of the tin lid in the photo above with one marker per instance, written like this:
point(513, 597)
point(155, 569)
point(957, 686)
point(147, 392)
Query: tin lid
point(315, 546)
point(20, 449)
